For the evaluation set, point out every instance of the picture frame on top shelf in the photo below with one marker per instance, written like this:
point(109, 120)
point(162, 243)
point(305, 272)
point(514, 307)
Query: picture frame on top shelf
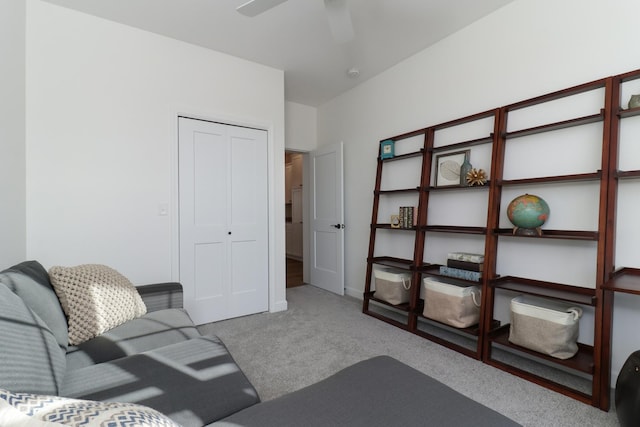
point(387, 150)
point(448, 168)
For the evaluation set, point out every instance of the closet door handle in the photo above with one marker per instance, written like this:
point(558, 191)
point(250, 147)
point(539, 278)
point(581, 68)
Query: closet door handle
point(338, 226)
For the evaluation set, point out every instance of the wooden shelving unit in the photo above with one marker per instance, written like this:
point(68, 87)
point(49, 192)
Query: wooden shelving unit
point(623, 280)
point(588, 359)
point(489, 340)
point(419, 266)
point(383, 310)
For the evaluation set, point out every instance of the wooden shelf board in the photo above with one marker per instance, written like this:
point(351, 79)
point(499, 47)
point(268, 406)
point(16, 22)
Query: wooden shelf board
point(407, 135)
point(563, 93)
point(556, 126)
point(544, 382)
point(459, 187)
point(467, 119)
point(402, 307)
point(574, 294)
point(387, 226)
point(629, 112)
point(593, 176)
point(455, 229)
point(399, 190)
point(552, 234)
point(628, 174)
point(404, 156)
point(462, 144)
point(626, 280)
point(387, 261)
point(583, 360)
point(473, 331)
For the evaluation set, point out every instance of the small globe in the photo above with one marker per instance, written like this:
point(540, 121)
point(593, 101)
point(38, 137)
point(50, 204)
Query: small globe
point(528, 211)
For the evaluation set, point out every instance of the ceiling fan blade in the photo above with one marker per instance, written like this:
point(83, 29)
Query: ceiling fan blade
point(256, 7)
point(339, 20)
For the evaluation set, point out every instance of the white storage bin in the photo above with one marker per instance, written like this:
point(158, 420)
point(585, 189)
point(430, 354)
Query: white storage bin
point(454, 305)
point(546, 326)
point(392, 286)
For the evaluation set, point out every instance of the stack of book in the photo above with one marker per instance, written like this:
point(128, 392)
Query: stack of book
point(406, 216)
point(463, 265)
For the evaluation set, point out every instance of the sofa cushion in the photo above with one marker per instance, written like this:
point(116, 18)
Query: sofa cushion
point(378, 392)
point(95, 298)
point(153, 330)
point(194, 382)
point(31, 360)
point(34, 410)
point(30, 281)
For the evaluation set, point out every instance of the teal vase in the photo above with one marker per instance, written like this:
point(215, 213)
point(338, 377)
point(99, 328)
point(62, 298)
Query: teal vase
point(465, 168)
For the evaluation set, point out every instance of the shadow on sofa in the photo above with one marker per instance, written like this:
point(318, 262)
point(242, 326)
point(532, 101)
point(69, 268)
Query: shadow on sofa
point(160, 360)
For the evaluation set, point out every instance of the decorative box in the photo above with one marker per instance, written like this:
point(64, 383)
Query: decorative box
point(458, 273)
point(392, 286)
point(454, 305)
point(466, 256)
point(387, 149)
point(546, 326)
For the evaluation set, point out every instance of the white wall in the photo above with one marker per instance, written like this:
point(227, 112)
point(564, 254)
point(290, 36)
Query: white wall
point(102, 105)
point(12, 133)
point(528, 48)
point(301, 127)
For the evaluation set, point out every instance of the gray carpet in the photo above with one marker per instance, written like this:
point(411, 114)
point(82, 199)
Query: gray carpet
point(322, 333)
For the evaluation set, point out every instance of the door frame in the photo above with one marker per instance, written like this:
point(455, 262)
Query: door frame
point(276, 229)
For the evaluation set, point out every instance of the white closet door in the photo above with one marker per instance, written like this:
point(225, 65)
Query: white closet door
point(223, 220)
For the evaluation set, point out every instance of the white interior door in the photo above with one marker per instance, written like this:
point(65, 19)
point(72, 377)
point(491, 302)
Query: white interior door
point(327, 219)
point(223, 219)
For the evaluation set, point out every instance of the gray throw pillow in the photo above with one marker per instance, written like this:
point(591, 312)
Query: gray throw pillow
point(31, 360)
point(30, 281)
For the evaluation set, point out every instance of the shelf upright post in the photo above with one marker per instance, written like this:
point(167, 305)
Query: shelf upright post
point(418, 251)
point(372, 236)
point(603, 309)
point(491, 238)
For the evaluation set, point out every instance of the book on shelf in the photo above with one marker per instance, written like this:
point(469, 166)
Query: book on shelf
point(458, 273)
point(466, 256)
point(407, 216)
point(465, 265)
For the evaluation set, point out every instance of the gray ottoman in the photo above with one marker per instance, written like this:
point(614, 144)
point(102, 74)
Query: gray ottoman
point(377, 392)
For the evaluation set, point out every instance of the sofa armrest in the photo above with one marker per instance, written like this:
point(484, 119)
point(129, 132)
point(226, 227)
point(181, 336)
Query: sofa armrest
point(160, 296)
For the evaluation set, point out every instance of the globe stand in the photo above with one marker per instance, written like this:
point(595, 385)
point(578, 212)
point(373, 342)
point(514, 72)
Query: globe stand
point(519, 231)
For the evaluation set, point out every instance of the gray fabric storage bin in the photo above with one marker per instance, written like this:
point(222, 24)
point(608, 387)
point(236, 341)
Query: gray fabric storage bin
point(546, 326)
point(454, 305)
point(392, 286)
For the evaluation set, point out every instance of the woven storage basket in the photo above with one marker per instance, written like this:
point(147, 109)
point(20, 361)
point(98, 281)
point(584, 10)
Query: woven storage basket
point(392, 286)
point(454, 305)
point(546, 326)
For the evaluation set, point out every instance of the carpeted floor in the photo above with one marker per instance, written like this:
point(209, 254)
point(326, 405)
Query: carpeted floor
point(322, 333)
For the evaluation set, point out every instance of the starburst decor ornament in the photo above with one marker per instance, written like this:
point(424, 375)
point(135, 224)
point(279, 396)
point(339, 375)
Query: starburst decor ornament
point(476, 177)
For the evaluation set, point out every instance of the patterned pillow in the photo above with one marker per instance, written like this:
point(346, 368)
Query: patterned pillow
point(32, 410)
point(95, 298)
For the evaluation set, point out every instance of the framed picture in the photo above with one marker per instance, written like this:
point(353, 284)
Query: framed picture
point(395, 221)
point(448, 168)
point(387, 149)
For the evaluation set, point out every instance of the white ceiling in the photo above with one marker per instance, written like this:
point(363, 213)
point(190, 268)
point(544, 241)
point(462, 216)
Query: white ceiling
point(295, 35)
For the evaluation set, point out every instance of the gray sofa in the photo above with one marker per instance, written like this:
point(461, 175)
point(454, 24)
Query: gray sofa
point(161, 361)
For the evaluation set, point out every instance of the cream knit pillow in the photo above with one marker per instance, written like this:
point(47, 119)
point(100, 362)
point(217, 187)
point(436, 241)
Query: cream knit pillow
point(95, 298)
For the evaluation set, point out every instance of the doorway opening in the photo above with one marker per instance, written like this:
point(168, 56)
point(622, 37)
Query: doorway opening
point(294, 198)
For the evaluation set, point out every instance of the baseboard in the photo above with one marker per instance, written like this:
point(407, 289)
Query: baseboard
point(353, 292)
point(278, 306)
